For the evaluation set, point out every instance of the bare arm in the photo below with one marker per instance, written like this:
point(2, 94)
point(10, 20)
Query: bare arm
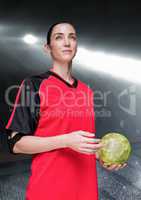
point(80, 141)
point(34, 144)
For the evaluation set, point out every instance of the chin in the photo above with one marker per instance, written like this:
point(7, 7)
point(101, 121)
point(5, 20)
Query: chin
point(66, 59)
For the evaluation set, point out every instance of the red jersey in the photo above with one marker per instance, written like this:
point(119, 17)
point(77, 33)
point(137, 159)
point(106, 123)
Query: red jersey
point(47, 105)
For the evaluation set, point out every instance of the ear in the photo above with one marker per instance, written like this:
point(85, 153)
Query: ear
point(46, 48)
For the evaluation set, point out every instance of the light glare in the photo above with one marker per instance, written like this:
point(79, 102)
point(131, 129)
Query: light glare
point(30, 39)
point(121, 67)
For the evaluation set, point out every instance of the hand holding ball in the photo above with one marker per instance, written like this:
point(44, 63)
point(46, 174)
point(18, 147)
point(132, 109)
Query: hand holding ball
point(116, 149)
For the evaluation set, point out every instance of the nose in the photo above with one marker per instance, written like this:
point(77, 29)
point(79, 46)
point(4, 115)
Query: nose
point(66, 42)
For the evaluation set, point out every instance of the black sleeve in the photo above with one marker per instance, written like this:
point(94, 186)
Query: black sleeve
point(25, 114)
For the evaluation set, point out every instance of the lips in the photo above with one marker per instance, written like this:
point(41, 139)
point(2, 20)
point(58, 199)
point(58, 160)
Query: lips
point(67, 51)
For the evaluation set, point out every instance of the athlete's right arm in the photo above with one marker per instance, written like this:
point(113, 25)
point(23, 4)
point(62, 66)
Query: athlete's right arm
point(80, 141)
point(24, 120)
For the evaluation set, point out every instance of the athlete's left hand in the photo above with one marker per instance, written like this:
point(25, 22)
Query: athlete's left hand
point(113, 167)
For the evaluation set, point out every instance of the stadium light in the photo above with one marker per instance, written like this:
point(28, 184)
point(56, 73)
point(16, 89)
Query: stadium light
point(30, 39)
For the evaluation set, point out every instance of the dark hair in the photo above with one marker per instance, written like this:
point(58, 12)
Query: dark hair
point(51, 29)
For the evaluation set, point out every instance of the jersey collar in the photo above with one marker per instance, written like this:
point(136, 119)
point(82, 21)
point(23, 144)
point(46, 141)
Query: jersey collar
point(73, 85)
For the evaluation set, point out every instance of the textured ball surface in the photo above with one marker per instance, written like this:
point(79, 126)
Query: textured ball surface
point(116, 150)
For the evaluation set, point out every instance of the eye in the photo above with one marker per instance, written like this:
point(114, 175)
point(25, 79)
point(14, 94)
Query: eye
point(73, 37)
point(58, 37)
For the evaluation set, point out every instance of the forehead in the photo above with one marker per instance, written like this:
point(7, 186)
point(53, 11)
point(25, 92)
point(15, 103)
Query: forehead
point(63, 28)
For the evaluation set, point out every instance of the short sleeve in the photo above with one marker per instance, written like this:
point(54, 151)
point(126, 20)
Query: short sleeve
point(25, 113)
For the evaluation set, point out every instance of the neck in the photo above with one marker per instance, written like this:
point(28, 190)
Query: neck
point(64, 70)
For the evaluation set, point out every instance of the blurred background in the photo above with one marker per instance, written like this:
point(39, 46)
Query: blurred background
point(108, 60)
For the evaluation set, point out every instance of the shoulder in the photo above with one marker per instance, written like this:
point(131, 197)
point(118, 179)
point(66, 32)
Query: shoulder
point(34, 81)
point(38, 77)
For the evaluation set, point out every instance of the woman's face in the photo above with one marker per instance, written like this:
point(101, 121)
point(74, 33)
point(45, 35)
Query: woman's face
point(63, 43)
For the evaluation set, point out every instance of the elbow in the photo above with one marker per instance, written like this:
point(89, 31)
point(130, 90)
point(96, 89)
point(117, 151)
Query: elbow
point(15, 149)
point(13, 143)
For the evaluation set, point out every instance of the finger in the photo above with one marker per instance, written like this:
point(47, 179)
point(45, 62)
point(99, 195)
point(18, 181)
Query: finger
point(102, 163)
point(87, 146)
point(106, 167)
point(86, 150)
point(92, 140)
point(92, 146)
point(87, 134)
point(96, 140)
point(118, 167)
point(124, 165)
point(97, 155)
point(115, 167)
point(112, 167)
point(98, 146)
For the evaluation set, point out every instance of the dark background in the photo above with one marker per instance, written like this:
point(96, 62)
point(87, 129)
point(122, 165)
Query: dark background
point(110, 26)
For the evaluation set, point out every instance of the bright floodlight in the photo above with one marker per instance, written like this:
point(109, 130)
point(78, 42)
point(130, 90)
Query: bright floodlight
point(30, 39)
point(122, 67)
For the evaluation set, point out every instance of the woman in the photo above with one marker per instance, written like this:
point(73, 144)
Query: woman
point(53, 119)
